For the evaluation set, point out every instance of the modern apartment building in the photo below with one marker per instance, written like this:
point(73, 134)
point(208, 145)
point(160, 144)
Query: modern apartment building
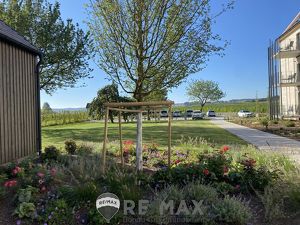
point(284, 72)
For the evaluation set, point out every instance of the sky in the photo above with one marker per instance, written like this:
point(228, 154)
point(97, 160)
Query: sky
point(241, 73)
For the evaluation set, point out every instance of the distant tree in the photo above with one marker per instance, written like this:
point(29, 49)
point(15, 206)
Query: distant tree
point(125, 115)
point(109, 93)
point(204, 91)
point(151, 45)
point(64, 45)
point(46, 108)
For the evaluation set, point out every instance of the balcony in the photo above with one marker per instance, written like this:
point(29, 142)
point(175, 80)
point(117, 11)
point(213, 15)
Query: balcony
point(290, 51)
point(291, 80)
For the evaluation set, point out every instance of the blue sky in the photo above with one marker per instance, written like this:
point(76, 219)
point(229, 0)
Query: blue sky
point(241, 73)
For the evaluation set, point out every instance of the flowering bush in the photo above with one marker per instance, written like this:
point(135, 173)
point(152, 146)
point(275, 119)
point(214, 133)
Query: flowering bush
point(128, 149)
point(217, 164)
point(216, 167)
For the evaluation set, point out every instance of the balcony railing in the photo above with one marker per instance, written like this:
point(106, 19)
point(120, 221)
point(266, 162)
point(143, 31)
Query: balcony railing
point(293, 78)
point(292, 46)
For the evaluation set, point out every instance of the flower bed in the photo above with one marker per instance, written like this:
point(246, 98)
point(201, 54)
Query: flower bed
point(63, 188)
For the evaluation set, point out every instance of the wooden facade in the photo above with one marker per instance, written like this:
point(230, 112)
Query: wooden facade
point(19, 102)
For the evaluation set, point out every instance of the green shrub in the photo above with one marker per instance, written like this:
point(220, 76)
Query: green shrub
point(290, 124)
point(272, 199)
point(254, 177)
point(2, 189)
point(70, 146)
point(50, 153)
point(85, 149)
point(232, 210)
point(80, 194)
point(265, 122)
point(25, 205)
point(25, 209)
point(214, 208)
point(198, 192)
point(125, 184)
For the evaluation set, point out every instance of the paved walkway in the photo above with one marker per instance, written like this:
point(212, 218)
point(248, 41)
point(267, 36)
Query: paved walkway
point(261, 140)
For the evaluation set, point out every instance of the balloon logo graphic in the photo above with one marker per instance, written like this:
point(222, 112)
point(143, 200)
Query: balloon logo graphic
point(108, 205)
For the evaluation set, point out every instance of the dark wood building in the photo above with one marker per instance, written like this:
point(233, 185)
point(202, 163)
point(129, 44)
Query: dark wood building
point(19, 96)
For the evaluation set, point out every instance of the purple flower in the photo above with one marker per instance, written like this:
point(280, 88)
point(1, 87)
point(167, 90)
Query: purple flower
point(18, 222)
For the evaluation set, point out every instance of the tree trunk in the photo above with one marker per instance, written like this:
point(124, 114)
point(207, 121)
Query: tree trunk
point(148, 115)
point(139, 144)
point(202, 105)
point(111, 117)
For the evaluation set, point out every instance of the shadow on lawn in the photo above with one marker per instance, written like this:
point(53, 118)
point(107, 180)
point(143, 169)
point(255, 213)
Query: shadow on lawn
point(151, 133)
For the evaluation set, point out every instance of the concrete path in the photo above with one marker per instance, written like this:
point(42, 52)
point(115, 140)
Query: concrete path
point(260, 139)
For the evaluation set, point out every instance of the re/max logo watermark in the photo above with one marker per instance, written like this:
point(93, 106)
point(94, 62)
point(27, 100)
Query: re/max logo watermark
point(164, 207)
point(108, 205)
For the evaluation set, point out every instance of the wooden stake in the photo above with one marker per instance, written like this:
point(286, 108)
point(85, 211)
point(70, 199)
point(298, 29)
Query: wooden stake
point(139, 144)
point(169, 136)
point(120, 137)
point(104, 141)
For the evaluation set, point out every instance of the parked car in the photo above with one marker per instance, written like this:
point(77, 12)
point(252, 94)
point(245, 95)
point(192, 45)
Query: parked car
point(189, 113)
point(197, 114)
point(176, 114)
point(211, 113)
point(164, 113)
point(245, 113)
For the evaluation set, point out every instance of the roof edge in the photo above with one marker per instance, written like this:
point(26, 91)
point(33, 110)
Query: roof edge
point(288, 30)
point(19, 44)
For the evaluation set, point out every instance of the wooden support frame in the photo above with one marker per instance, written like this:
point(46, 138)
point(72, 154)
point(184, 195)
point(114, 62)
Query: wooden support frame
point(123, 107)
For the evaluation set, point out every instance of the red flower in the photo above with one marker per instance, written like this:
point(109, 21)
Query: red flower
point(225, 170)
point(206, 172)
point(128, 142)
point(10, 183)
point(224, 149)
point(177, 161)
point(53, 172)
point(40, 174)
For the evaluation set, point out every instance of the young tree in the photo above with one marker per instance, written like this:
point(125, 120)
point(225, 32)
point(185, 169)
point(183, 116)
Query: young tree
point(204, 91)
point(64, 45)
point(152, 45)
point(46, 108)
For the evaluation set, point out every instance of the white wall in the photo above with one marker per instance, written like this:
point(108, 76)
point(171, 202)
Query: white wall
point(289, 74)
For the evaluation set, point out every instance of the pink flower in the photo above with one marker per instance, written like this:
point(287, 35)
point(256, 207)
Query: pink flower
point(16, 170)
point(40, 174)
point(10, 183)
point(43, 189)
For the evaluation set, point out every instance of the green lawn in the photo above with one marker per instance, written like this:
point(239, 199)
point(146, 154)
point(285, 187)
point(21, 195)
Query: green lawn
point(152, 132)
